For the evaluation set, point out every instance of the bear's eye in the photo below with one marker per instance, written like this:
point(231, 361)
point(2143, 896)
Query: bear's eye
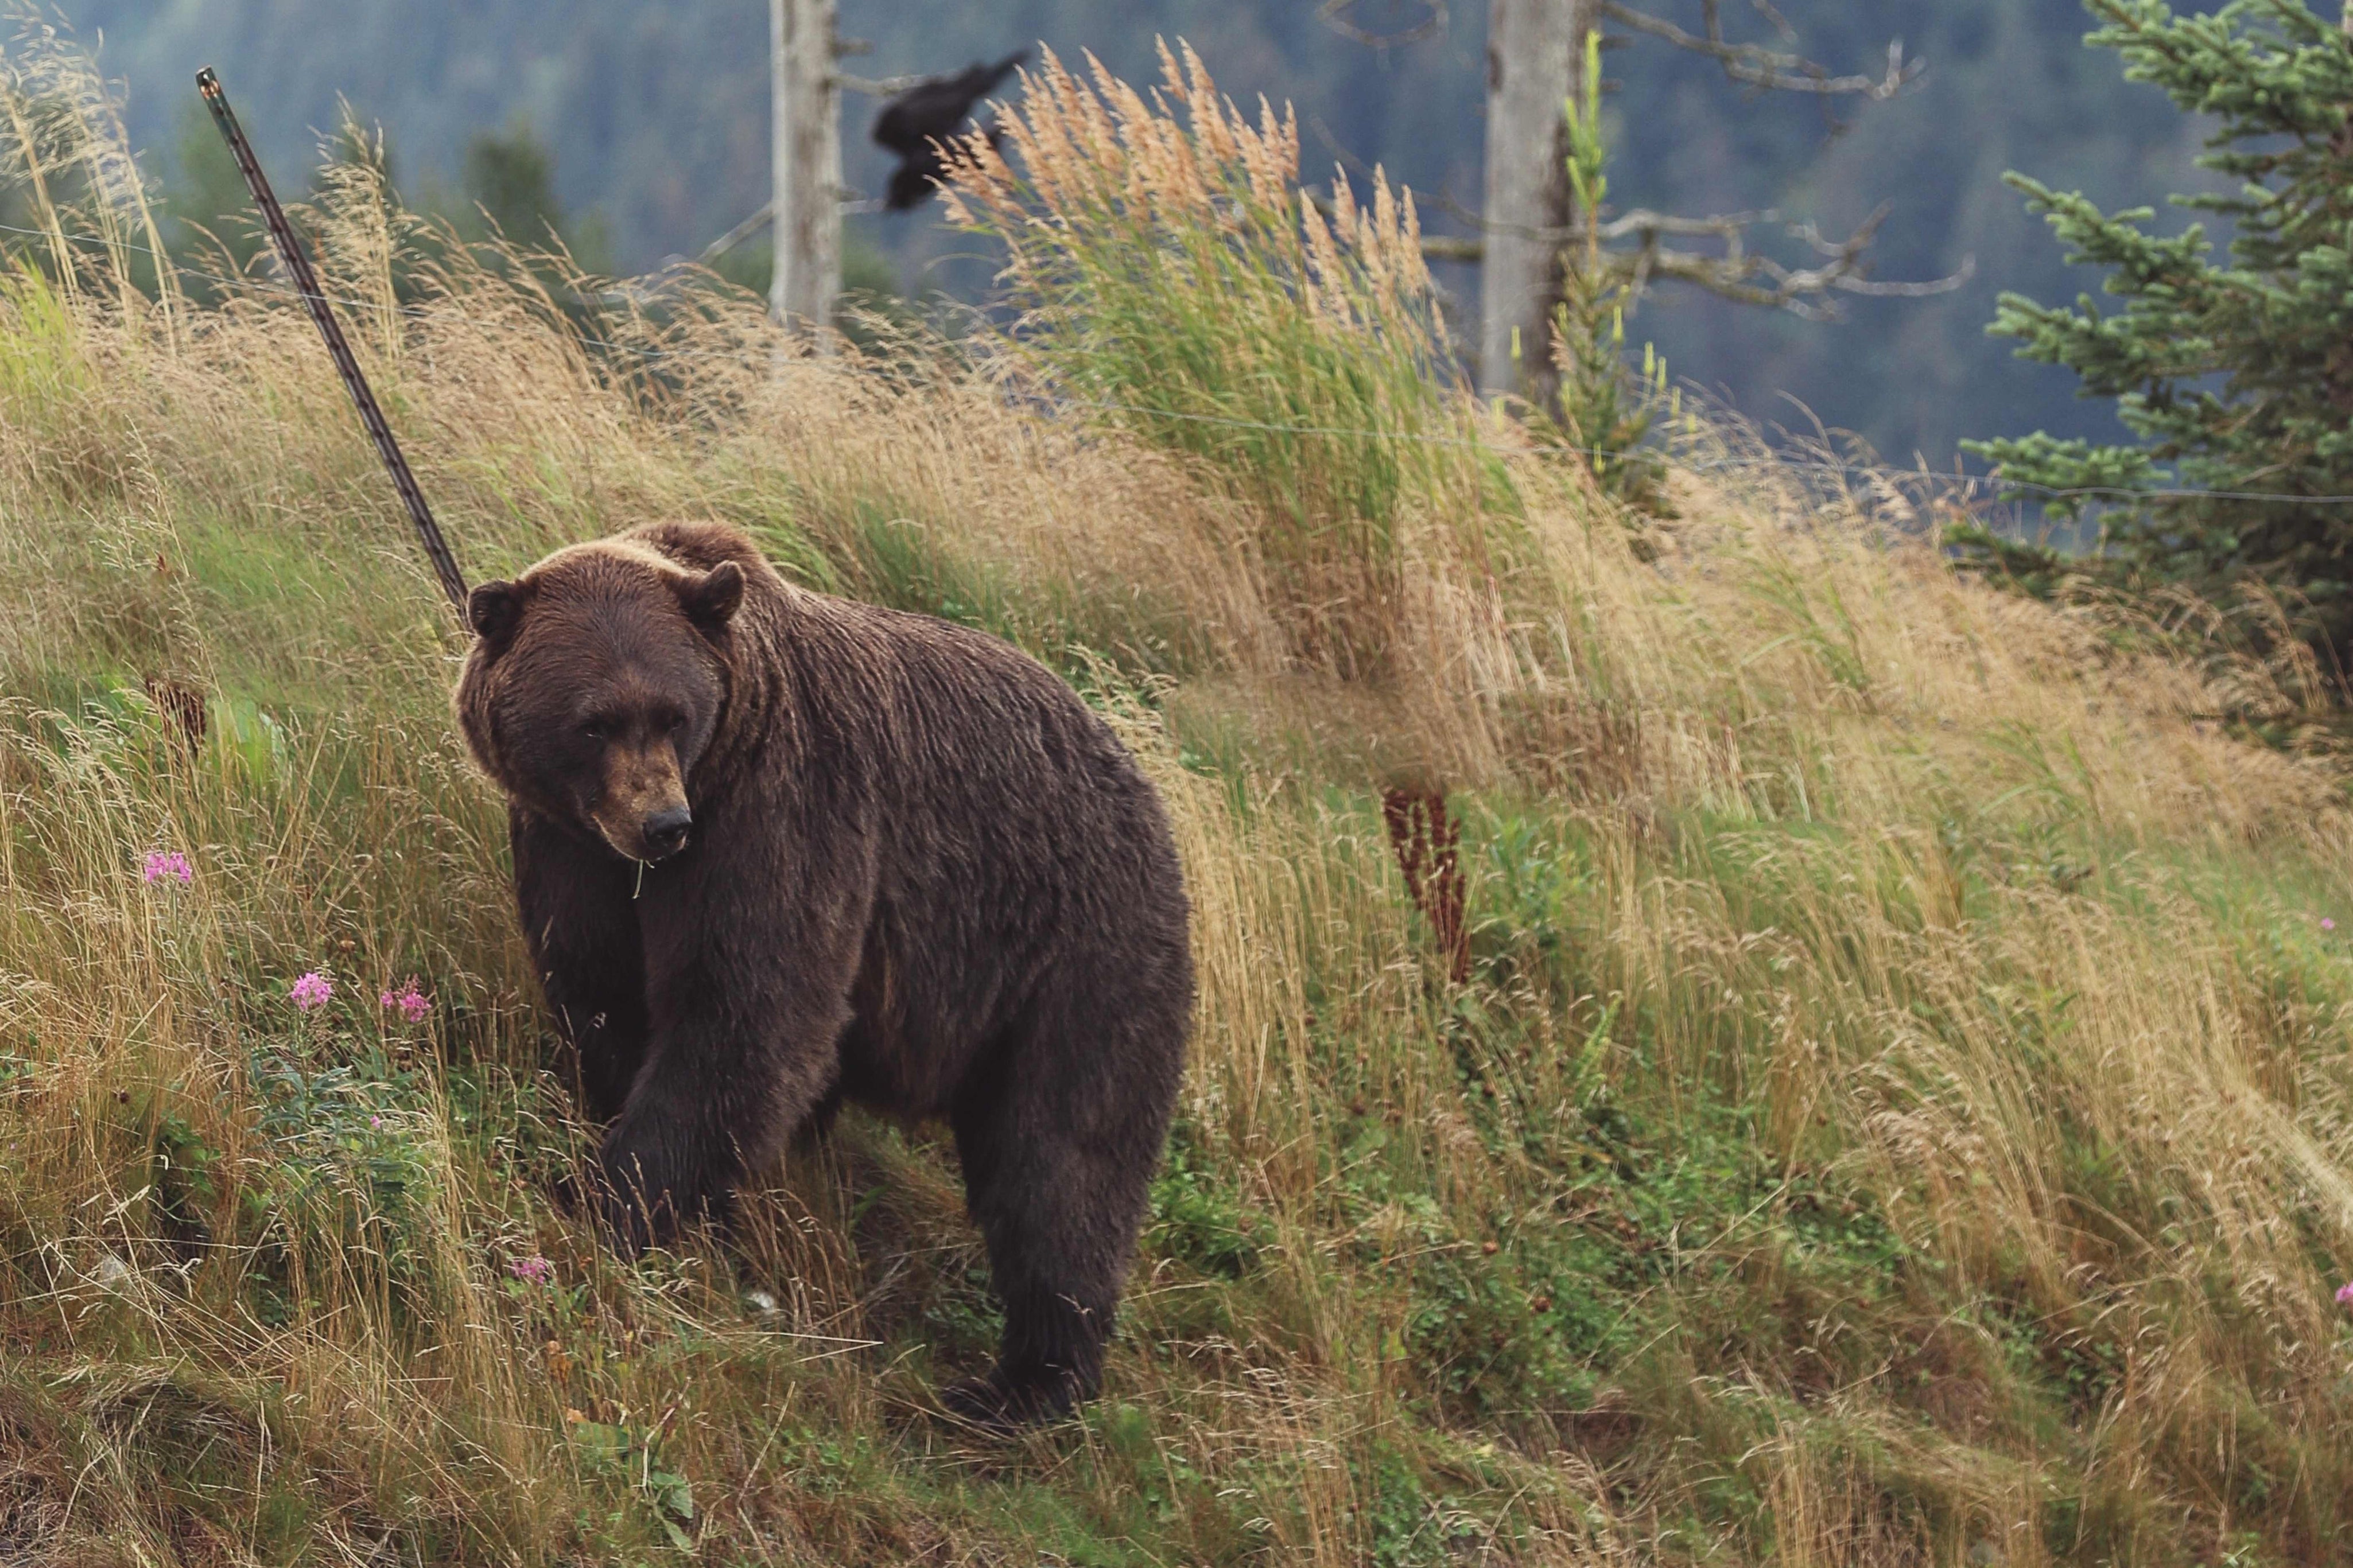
point(593, 729)
point(676, 722)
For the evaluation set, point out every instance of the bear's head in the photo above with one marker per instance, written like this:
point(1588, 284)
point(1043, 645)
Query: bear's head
point(597, 682)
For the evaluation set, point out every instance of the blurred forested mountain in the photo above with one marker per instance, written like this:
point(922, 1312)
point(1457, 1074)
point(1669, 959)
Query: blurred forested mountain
point(657, 117)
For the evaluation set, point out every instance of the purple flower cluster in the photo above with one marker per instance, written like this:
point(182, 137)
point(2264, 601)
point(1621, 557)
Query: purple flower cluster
point(411, 1002)
point(312, 990)
point(2344, 1295)
point(534, 1269)
point(167, 866)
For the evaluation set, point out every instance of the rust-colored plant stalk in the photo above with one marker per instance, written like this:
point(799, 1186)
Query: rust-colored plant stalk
point(1427, 842)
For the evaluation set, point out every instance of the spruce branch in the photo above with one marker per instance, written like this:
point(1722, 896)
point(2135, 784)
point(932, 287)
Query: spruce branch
point(2231, 372)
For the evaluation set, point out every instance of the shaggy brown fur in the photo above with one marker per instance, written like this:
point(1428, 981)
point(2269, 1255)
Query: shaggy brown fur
point(775, 849)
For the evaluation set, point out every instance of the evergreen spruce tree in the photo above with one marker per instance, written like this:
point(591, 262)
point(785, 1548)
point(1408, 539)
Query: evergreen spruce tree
point(2237, 377)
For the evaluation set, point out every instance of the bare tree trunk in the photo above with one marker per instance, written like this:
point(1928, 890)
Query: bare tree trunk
point(805, 162)
point(1536, 57)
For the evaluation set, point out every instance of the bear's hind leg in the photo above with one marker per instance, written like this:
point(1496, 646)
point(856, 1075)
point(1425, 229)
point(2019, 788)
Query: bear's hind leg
point(1056, 1165)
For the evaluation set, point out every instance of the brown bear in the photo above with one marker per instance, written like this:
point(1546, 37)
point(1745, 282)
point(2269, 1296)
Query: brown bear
point(774, 850)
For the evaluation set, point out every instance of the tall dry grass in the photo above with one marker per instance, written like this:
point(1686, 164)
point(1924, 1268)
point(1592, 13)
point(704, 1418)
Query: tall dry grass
point(1897, 1112)
point(1167, 280)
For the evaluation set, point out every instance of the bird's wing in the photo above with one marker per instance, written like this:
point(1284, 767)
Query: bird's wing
point(997, 73)
point(932, 109)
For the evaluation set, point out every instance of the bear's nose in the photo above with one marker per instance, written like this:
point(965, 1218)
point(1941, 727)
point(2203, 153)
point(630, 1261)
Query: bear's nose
point(665, 831)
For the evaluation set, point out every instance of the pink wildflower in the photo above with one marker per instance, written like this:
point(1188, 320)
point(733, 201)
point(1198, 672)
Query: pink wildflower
point(2344, 1295)
point(311, 990)
point(535, 1269)
point(167, 864)
point(2328, 924)
point(413, 1003)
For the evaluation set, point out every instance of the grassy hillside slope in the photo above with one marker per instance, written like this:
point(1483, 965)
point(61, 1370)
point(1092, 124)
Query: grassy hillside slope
point(1890, 1103)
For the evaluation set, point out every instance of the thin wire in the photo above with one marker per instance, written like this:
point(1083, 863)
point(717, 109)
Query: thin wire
point(1766, 461)
point(1776, 461)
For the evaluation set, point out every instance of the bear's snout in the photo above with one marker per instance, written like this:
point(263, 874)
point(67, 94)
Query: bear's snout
point(643, 812)
point(665, 831)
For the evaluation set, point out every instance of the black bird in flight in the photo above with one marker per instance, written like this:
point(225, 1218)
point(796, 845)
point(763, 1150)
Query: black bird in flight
point(913, 124)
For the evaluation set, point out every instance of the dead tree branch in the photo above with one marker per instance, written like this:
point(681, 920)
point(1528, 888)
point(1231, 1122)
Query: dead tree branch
point(1738, 273)
point(875, 87)
point(1744, 275)
point(737, 236)
point(1759, 66)
point(1334, 14)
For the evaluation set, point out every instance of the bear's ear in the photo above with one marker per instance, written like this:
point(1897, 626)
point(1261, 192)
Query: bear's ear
point(710, 598)
point(494, 610)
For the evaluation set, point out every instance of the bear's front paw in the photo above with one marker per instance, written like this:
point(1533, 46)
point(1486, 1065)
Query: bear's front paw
point(626, 1226)
point(566, 1196)
point(632, 1213)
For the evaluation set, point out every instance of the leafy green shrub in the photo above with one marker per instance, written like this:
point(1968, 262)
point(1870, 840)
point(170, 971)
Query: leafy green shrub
point(633, 1457)
point(347, 1181)
point(1199, 1218)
